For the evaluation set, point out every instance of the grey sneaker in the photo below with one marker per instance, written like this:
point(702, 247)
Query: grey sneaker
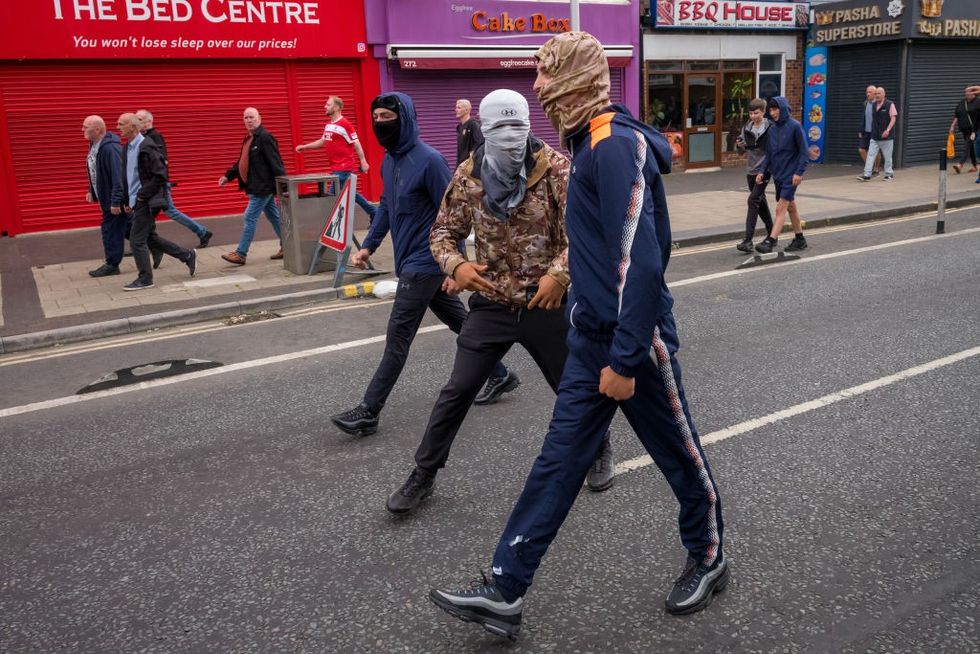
point(601, 475)
point(497, 386)
point(483, 604)
point(697, 585)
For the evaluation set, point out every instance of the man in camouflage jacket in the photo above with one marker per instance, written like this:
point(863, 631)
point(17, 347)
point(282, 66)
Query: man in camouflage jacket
point(518, 281)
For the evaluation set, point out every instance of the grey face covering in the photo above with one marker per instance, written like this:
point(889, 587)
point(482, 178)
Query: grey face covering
point(505, 119)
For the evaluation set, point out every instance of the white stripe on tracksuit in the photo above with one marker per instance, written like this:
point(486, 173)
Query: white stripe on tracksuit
point(659, 353)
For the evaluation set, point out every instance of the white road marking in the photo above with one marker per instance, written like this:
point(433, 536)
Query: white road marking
point(820, 257)
point(234, 367)
point(812, 405)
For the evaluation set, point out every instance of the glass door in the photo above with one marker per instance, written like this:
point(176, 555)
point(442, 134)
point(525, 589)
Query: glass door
point(703, 123)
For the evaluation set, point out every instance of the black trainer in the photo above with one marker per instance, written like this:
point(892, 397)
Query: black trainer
point(204, 240)
point(483, 604)
point(104, 271)
point(798, 243)
point(192, 262)
point(766, 245)
point(359, 421)
point(497, 386)
point(601, 475)
point(413, 492)
point(745, 246)
point(697, 585)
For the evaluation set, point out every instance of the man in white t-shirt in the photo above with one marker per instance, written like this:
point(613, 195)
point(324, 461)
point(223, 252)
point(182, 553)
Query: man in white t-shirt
point(344, 152)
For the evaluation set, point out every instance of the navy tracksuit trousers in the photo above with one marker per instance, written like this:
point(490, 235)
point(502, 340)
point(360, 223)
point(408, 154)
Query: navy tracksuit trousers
point(658, 414)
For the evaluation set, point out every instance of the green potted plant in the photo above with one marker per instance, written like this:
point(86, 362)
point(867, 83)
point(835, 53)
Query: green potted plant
point(738, 99)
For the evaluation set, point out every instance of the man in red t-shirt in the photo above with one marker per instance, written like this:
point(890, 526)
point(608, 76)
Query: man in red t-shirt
point(344, 152)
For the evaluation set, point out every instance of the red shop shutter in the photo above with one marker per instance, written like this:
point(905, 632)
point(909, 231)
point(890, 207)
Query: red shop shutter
point(197, 106)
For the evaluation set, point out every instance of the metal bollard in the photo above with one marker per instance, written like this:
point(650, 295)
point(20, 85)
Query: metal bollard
point(941, 211)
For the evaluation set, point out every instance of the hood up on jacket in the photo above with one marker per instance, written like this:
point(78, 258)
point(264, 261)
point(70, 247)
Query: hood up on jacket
point(408, 137)
point(785, 113)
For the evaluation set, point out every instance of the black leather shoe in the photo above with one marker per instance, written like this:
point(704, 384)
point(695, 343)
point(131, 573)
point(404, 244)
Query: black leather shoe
point(359, 421)
point(157, 258)
point(497, 386)
point(419, 486)
point(203, 243)
point(104, 271)
point(601, 475)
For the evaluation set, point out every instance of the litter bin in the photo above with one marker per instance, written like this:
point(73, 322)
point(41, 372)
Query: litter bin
point(305, 201)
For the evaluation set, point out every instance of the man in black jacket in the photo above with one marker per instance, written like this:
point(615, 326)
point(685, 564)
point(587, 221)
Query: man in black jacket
point(145, 195)
point(966, 116)
point(258, 165)
point(105, 187)
point(175, 214)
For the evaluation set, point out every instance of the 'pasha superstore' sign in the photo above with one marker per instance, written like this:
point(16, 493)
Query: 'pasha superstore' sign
point(732, 14)
point(133, 29)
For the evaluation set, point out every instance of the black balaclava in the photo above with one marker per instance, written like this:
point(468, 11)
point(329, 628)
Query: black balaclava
point(388, 132)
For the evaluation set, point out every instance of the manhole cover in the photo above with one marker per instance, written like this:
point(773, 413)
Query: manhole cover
point(148, 371)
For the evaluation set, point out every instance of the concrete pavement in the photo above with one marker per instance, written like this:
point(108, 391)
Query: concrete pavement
point(47, 296)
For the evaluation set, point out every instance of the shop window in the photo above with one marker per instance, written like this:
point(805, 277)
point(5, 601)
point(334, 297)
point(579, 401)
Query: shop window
point(701, 108)
point(664, 96)
point(665, 65)
point(704, 65)
point(739, 64)
point(770, 75)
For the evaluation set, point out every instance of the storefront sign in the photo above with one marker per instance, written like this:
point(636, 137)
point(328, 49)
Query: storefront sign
point(861, 21)
point(732, 14)
point(136, 29)
point(815, 101)
point(483, 22)
point(483, 63)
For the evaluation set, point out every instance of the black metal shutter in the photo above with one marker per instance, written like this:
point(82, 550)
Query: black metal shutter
point(852, 69)
point(435, 92)
point(938, 73)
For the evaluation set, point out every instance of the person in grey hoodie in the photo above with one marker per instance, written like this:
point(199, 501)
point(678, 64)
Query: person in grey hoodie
point(752, 142)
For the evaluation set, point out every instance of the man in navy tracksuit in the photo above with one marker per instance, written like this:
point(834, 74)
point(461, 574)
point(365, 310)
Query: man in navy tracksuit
point(415, 177)
point(622, 344)
point(785, 162)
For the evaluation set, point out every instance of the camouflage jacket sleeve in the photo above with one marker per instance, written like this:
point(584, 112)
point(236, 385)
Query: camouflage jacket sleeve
point(559, 265)
point(452, 225)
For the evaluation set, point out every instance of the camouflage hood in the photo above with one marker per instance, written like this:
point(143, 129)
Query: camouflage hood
point(579, 86)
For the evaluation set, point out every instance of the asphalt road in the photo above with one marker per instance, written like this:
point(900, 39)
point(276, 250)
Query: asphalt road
point(224, 512)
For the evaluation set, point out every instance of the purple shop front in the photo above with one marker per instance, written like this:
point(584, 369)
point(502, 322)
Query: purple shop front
point(438, 51)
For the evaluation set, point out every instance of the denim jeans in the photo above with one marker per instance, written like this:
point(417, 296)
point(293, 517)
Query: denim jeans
point(362, 201)
point(258, 204)
point(181, 218)
point(886, 147)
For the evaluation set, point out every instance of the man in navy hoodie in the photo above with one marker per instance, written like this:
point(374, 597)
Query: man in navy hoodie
point(104, 165)
point(785, 162)
point(622, 343)
point(414, 177)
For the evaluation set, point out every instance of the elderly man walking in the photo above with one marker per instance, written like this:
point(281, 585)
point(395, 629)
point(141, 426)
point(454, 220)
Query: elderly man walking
point(256, 169)
point(175, 214)
point(884, 115)
point(105, 186)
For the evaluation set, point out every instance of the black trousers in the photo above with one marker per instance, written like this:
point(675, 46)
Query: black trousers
point(143, 239)
point(758, 208)
point(490, 330)
point(968, 150)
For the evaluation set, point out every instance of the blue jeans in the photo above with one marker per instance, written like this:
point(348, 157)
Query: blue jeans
point(256, 205)
point(181, 218)
point(362, 201)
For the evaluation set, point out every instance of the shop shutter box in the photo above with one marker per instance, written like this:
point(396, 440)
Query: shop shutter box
point(938, 73)
point(197, 106)
point(435, 92)
point(852, 69)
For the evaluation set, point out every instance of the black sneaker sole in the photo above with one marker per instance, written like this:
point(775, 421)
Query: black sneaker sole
point(411, 509)
point(506, 388)
point(495, 627)
point(355, 431)
point(719, 586)
point(604, 487)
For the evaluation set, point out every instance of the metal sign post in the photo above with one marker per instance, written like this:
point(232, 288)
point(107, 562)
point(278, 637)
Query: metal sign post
point(941, 211)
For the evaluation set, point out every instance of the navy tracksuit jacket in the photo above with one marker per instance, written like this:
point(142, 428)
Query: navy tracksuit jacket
point(620, 316)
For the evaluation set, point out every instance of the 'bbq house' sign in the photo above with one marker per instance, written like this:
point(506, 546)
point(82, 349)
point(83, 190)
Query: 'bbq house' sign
point(731, 14)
